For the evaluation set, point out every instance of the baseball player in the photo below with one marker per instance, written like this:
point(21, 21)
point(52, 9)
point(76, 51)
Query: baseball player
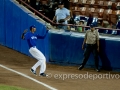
point(31, 38)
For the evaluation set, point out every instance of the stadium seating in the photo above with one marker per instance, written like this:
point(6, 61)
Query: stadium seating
point(106, 11)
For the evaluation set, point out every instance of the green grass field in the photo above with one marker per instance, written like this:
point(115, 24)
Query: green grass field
point(5, 87)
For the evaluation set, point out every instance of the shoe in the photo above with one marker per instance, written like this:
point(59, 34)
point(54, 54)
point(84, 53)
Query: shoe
point(33, 71)
point(98, 70)
point(43, 74)
point(80, 67)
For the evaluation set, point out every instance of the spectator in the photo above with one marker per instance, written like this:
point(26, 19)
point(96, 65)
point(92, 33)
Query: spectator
point(80, 28)
point(61, 16)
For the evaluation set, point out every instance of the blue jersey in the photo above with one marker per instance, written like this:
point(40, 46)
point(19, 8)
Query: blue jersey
point(32, 37)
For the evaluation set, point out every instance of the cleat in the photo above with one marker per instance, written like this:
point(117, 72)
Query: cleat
point(33, 71)
point(43, 74)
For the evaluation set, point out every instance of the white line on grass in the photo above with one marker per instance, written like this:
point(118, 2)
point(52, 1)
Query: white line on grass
point(51, 88)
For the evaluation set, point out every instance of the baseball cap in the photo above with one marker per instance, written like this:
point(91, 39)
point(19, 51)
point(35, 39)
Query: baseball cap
point(92, 26)
point(60, 3)
point(33, 26)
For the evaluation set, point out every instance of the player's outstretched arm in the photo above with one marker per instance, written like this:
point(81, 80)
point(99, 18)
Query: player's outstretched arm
point(42, 37)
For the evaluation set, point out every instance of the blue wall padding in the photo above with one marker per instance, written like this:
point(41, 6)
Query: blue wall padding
point(67, 49)
point(16, 28)
point(112, 51)
point(31, 20)
point(58, 44)
point(46, 46)
point(76, 47)
point(9, 23)
point(24, 25)
point(2, 31)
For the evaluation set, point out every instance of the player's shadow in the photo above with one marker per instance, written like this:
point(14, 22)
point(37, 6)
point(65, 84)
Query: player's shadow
point(106, 65)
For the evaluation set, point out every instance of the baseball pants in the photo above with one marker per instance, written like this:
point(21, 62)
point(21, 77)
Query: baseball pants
point(40, 57)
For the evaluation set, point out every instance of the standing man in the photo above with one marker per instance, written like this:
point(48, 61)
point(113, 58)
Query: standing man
point(31, 38)
point(62, 14)
point(92, 45)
